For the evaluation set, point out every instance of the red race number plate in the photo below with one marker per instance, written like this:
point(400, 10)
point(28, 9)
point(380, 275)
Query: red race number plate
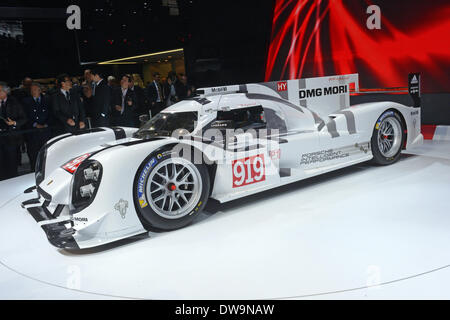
point(248, 170)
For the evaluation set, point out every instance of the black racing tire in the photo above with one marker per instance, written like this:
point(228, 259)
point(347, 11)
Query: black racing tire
point(150, 214)
point(382, 155)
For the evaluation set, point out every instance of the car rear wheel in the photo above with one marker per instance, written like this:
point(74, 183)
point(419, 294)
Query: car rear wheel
point(170, 191)
point(387, 138)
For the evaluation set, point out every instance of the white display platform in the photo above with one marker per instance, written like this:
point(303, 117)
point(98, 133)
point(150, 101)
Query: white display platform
point(361, 232)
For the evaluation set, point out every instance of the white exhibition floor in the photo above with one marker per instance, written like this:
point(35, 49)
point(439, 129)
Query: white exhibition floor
point(362, 232)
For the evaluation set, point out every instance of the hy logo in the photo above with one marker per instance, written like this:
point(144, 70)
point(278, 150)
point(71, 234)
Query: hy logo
point(282, 86)
point(121, 206)
point(414, 80)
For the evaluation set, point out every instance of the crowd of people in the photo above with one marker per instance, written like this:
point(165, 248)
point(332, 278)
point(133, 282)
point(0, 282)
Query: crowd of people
point(31, 114)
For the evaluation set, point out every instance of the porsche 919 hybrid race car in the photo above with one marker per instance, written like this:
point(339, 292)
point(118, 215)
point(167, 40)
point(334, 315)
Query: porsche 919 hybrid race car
point(104, 184)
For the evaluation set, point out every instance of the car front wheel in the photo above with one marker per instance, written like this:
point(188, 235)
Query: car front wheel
point(170, 191)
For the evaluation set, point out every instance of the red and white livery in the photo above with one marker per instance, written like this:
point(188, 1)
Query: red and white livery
point(106, 184)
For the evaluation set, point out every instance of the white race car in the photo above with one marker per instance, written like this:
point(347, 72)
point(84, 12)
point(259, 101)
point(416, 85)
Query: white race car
point(105, 184)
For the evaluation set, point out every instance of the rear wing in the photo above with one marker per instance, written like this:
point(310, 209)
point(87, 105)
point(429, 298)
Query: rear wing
point(324, 95)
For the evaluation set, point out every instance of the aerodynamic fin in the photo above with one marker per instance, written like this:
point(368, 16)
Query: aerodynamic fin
point(414, 88)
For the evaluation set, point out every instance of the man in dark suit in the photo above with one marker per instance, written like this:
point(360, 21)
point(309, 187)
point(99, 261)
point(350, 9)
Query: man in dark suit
point(142, 104)
point(124, 104)
point(24, 90)
point(87, 99)
point(86, 95)
point(37, 109)
point(87, 78)
point(182, 88)
point(101, 103)
point(155, 94)
point(67, 106)
point(169, 89)
point(12, 118)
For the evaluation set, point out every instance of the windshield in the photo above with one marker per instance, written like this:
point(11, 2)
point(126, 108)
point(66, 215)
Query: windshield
point(166, 123)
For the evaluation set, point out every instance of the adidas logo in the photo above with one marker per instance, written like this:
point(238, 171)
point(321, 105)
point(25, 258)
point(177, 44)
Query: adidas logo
point(414, 80)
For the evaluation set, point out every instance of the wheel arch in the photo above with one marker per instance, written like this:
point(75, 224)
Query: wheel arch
point(159, 153)
point(402, 118)
point(210, 165)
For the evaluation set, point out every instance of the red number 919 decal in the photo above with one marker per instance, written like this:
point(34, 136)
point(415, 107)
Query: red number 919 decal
point(248, 170)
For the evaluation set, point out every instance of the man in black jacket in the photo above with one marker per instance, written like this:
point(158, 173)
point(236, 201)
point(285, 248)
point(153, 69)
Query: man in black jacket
point(156, 94)
point(87, 99)
point(24, 90)
point(67, 106)
point(37, 109)
point(101, 101)
point(182, 88)
point(169, 88)
point(142, 104)
point(12, 118)
point(124, 102)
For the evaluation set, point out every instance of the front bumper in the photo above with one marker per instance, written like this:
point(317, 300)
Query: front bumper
point(60, 232)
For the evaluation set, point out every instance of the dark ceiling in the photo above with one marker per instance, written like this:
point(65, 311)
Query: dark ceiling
point(224, 41)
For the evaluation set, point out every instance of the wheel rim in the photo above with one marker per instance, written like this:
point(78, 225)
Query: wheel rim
point(389, 137)
point(174, 188)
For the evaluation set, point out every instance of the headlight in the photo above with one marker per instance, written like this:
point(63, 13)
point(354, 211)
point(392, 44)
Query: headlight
point(87, 191)
point(85, 184)
point(91, 174)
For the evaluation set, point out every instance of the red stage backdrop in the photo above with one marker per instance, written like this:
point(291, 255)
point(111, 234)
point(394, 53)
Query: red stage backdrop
point(325, 37)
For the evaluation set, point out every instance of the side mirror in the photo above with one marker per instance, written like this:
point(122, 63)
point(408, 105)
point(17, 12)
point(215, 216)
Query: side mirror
point(143, 119)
